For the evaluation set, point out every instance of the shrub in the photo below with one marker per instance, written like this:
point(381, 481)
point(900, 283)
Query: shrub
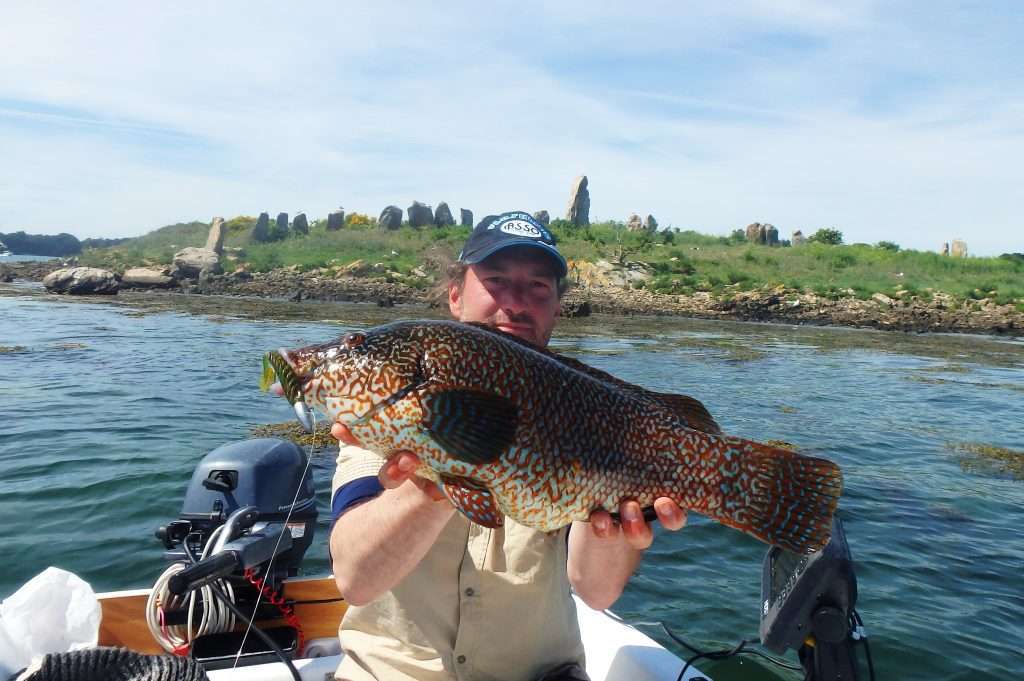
point(832, 237)
point(358, 219)
point(888, 246)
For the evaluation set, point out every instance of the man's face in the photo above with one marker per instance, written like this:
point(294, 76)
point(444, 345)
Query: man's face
point(515, 290)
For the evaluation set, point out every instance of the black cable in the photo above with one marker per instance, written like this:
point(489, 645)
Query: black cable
point(711, 655)
point(867, 646)
point(318, 601)
point(749, 651)
point(259, 632)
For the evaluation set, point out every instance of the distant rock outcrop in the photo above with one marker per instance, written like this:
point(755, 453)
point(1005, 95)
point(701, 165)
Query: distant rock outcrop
point(190, 263)
point(335, 220)
point(753, 232)
point(635, 223)
point(261, 232)
point(390, 218)
point(215, 239)
point(443, 215)
point(147, 277)
point(650, 224)
point(542, 217)
point(81, 281)
point(299, 224)
point(578, 212)
point(465, 217)
point(420, 214)
point(958, 249)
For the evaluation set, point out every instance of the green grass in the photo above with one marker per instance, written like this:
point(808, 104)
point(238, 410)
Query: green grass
point(682, 261)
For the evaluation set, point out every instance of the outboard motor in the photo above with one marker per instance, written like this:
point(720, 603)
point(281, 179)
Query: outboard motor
point(246, 523)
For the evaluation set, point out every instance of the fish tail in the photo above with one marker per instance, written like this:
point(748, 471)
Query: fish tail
point(778, 496)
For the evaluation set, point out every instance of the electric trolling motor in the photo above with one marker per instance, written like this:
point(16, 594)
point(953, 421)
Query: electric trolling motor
point(246, 523)
point(807, 604)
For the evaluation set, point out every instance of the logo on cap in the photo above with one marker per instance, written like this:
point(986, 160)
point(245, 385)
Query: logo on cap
point(521, 228)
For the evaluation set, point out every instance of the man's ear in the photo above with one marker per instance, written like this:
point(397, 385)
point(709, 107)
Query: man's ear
point(455, 300)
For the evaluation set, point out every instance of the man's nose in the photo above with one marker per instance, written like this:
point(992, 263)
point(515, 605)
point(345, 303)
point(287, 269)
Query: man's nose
point(514, 298)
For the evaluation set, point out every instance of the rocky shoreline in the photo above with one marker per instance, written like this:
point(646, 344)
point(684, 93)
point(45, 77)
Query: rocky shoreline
point(908, 313)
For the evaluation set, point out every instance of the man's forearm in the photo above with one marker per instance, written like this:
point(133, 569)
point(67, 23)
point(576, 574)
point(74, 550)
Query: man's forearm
point(376, 544)
point(599, 567)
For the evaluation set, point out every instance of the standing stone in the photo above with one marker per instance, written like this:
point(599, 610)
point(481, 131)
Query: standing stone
point(634, 223)
point(650, 224)
point(443, 215)
point(542, 217)
point(299, 224)
point(752, 231)
point(762, 234)
point(798, 238)
point(465, 217)
point(771, 235)
point(945, 248)
point(958, 249)
point(282, 225)
point(261, 232)
point(215, 239)
point(336, 219)
point(390, 218)
point(420, 214)
point(579, 203)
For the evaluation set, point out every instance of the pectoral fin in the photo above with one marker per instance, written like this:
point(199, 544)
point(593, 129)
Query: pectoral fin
point(475, 502)
point(472, 426)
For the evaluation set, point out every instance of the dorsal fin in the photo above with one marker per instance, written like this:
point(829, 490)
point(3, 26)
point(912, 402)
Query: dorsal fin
point(691, 410)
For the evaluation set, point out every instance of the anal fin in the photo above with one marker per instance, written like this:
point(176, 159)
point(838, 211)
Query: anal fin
point(473, 501)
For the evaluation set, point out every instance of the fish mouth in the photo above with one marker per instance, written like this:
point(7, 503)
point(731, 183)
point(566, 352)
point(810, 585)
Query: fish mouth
point(282, 366)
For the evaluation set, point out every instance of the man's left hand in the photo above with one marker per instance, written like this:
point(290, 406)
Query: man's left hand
point(632, 525)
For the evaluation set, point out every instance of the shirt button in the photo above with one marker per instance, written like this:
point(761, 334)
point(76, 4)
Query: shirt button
point(469, 591)
point(461, 659)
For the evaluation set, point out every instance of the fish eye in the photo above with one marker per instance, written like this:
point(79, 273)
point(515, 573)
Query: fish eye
point(353, 340)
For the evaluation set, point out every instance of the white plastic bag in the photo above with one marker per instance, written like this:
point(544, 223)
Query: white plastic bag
point(54, 612)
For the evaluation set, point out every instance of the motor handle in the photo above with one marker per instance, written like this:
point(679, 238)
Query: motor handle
point(202, 573)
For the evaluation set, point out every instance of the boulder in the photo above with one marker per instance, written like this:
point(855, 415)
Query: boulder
point(466, 217)
point(81, 281)
point(6, 276)
point(443, 215)
point(635, 223)
point(190, 262)
point(542, 217)
point(147, 277)
point(762, 234)
point(261, 232)
point(752, 231)
point(282, 225)
point(650, 224)
point(215, 239)
point(420, 214)
point(958, 249)
point(771, 235)
point(578, 212)
point(390, 218)
point(299, 224)
point(798, 238)
point(336, 220)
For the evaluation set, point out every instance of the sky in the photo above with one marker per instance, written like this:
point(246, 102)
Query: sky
point(897, 121)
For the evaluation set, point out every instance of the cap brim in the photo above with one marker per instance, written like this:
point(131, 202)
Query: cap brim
point(480, 256)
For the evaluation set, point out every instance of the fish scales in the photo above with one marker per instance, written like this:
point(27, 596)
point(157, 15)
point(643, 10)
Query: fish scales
point(509, 429)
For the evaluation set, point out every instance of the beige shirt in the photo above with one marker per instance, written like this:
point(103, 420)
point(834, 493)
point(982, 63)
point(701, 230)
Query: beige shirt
point(482, 605)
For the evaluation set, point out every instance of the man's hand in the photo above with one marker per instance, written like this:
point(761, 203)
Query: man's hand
point(637, 531)
point(396, 470)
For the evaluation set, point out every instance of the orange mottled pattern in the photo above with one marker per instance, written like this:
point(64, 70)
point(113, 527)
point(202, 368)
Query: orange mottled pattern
point(580, 443)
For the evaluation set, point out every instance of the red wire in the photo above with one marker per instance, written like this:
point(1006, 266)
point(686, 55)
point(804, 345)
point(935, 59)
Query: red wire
point(287, 612)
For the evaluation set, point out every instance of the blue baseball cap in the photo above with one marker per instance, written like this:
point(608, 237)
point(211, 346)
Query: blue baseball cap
point(515, 228)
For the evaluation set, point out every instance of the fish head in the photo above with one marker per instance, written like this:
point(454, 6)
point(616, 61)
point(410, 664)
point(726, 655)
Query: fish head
point(353, 376)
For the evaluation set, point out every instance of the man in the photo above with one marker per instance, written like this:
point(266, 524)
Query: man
point(434, 596)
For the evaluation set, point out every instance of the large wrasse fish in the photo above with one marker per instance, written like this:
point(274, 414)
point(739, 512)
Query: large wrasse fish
point(509, 429)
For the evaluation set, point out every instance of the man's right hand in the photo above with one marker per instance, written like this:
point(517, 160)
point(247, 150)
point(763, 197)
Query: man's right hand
point(398, 469)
